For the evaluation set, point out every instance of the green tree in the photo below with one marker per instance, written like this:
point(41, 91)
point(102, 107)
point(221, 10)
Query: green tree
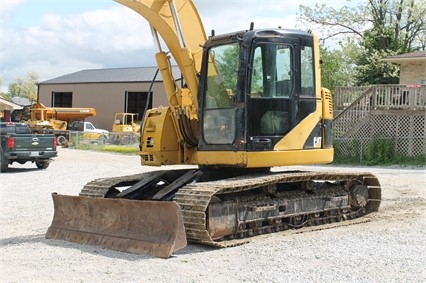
point(371, 69)
point(338, 65)
point(380, 27)
point(228, 67)
point(2, 93)
point(25, 87)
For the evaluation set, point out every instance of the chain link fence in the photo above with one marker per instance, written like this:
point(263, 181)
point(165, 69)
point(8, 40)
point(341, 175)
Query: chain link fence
point(348, 150)
point(88, 140)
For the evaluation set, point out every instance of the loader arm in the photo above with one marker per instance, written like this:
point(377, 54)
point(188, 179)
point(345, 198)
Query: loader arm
point(41, 112)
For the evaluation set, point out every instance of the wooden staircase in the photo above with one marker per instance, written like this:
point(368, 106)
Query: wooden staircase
point(394, 112)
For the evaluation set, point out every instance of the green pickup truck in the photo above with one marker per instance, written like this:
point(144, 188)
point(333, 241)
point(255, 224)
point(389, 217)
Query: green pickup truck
point(19, 145)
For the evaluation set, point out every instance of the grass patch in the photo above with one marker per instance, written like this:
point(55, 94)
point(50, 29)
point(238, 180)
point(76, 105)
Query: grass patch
point(378, 152)
point(416, 161)
point(122, 149)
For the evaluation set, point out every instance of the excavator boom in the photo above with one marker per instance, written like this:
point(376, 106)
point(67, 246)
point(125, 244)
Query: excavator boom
point(179, 25)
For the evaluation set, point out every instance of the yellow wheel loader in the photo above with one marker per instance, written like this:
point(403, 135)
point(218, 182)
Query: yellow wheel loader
point(252, 100)
point(125, 129)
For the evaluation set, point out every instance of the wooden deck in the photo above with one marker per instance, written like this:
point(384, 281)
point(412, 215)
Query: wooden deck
point(393, 112)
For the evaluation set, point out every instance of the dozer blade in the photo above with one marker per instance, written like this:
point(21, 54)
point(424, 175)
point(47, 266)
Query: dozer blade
point(143, 227)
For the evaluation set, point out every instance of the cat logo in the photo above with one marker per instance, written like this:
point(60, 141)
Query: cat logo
point(317, 142)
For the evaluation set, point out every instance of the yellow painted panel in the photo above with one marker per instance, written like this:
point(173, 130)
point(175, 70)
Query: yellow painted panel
point(265, 158)
point(298, 135)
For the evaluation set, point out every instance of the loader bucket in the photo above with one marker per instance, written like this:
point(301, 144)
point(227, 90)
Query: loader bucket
point(143, 227)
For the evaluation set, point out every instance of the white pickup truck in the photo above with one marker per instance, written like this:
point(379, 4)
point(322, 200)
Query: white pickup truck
point(89, 132)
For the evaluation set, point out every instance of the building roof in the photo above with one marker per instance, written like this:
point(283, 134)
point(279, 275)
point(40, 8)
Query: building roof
point(8, 105)
point(416, 56)
point(122, 75)
point(22, 101)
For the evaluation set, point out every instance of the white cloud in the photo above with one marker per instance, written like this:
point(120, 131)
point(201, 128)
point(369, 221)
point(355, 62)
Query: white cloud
point(7, 6)
point(60, 43)
point(106, 31)
point(226, 16)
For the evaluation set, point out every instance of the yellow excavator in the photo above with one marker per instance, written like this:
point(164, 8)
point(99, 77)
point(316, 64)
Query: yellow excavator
point(251, 100)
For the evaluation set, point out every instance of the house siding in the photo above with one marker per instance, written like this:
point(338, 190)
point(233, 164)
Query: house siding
point(413, 72)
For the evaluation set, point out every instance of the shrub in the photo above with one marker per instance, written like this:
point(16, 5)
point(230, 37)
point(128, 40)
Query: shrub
point(379, 151)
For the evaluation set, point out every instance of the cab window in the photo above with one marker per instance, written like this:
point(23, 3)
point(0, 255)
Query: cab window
point(219, 106)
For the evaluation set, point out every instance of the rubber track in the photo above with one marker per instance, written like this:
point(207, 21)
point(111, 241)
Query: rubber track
point(195, 198)
point(100, 187)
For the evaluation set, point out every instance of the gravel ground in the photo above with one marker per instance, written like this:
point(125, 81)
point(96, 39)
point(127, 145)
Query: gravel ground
point(390, 247)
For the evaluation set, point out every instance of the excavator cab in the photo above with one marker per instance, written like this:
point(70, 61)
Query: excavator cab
point(257, 89)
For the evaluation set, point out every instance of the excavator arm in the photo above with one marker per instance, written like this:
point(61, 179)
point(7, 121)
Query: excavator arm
point(179, 25)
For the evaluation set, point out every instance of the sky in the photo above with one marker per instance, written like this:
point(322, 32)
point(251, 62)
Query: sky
point(57, 37)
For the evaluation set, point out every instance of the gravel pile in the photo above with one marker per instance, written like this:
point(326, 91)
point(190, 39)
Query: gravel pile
point(389, 247)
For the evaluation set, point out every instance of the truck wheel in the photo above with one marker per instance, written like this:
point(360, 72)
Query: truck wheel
point(4, 167)
point(102, 140)
point(61, 140)
point(42, 164)
point(4, 163)
point(124, 140)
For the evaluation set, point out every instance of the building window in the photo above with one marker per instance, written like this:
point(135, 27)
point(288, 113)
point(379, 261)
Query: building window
point(61, 99)
point(137, 102)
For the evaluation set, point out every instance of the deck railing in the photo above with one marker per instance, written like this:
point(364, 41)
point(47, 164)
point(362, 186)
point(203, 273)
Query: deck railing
point(355, 112)
point(391, 96)
point(344, 96)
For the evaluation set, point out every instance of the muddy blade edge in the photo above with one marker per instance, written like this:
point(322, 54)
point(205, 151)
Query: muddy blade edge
point(143, 227)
